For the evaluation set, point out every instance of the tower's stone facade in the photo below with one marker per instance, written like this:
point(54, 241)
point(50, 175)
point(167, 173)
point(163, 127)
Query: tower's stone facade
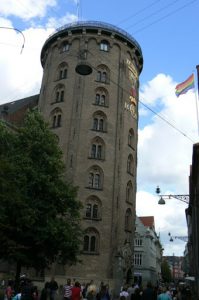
point(95, 118)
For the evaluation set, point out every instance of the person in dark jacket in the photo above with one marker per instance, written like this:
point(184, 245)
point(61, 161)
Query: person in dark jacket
point(149, 293)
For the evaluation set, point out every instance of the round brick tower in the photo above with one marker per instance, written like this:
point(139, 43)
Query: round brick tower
point(95, 116)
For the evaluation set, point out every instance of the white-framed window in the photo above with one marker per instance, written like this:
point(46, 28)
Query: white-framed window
point(56, 117)
point(138, 242)
point(91, 241)
point(95, 178)
point(137, 259)
point(97, 149)
point(99, 122)
point(65, 47)
point(104, 46)
point(101, 97)
point(59, 93)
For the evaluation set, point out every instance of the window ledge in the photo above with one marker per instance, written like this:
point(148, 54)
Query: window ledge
point(101, 105)
point(56, 102)
point(103, 131)
point(129, 202)
point(92, 219)
point(90, 253)
point(94, 188)
point(132, 147)
point(101, 81)
point(96, 158)
point(130, 173)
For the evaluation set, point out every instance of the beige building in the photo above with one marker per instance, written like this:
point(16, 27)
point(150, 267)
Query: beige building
point(89, 96)
point(95, 117)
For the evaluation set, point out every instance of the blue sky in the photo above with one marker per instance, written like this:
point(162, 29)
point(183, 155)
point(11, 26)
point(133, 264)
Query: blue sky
point(168, 35)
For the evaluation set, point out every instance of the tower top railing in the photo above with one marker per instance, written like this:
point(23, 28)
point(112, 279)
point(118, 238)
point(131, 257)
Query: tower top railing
point(98, 24)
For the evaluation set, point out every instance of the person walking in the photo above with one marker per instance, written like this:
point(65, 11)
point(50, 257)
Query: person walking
point(164, 295)
point(76, 293)
point(149, 293)
point(53, 286)
point(67, 290)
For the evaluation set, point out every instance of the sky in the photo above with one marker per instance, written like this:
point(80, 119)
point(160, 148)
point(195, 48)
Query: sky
point(167, 32)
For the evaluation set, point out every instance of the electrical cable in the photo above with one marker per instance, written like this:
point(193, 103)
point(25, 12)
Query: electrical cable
point(138, 12)
point(146, 106)
point(152, 14)
point(164, 17)
point(12, 28)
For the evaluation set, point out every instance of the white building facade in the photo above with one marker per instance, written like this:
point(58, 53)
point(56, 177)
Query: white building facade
point(147, 252)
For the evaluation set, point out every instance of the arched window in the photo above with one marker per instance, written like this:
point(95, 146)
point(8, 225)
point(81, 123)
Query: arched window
point(131, 138)
point(129, 192)
point(91, 241)
point(88, 210)
point(95, 178)
point(130, 164)
point(56, 117)
point(128, 220)
point(97, 150)
point(62, 71)
point(93, 208)
point(99, 122)
point(104, 46)
point(101, 97)
point(65, 47)
point(59, 93)
point(86, 243)
point(103, 74)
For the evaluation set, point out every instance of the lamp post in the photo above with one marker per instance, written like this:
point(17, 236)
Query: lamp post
point(180, 237)
point(183, 198)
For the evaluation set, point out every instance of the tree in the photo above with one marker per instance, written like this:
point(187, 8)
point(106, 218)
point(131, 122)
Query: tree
point(39, 212)
point(166, 272)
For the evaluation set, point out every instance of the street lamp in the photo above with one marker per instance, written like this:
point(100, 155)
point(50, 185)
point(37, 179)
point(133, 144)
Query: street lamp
point(183, 198)
point(180, 237)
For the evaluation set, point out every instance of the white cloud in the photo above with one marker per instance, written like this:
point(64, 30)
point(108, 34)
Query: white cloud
point(157, 89)
point(25, 9)
point(68, 18)
point(168, 218)
point(21, 73)
point(165, 156)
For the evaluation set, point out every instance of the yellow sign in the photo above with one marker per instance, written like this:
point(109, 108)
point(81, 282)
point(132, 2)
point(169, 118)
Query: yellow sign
point(132, 69)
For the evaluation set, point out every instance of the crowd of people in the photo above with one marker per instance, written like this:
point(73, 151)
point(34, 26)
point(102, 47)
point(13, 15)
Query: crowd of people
point(76, 291)
point(150, 292)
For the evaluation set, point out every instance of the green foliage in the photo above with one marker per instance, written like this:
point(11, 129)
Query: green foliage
point(39, 212)
point(166, 272)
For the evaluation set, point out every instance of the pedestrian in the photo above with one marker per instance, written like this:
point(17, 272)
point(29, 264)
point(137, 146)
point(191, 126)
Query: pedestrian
point(53, 286)
point(67, 290)
point(124, 293)
point(9, 290)
point(149, 292)
point(91, 292)
point(45, 292)
point(76, 293)
point(103, 293)
point(164, 295)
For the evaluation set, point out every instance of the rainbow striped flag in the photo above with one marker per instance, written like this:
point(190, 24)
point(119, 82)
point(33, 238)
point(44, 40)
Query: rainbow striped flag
point(183, 87)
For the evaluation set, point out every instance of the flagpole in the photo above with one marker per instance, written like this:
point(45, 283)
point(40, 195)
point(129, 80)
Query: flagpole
point(197, 96)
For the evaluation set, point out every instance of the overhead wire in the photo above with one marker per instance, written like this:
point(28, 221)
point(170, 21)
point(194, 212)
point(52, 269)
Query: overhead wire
point(153, 14)
point(146, 106)
point(12, 28)
point(164, 17)
point(138, 12)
